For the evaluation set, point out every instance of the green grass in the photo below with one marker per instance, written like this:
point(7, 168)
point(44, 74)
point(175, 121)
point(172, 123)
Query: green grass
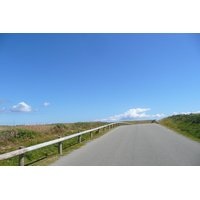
point(139, 122)
point(13, 137)
point(187, 125)
point(70, 145)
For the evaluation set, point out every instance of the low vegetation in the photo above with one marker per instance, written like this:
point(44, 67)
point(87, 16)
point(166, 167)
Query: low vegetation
point(188, 125)
point(12, 137)
point(139, 122)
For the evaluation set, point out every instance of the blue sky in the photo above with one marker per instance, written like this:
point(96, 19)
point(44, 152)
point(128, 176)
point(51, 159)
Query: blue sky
point(61, 78)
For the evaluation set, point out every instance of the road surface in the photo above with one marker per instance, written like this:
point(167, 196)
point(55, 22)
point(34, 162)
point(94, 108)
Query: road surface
point(136, 145)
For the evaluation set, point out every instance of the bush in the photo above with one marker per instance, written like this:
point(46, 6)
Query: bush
point(81, 125)
point(59, 128)
point(8, 134)
point(24, 133)
point(16, 134)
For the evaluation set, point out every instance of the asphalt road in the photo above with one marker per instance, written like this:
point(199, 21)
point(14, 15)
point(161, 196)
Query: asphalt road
point(136, 145)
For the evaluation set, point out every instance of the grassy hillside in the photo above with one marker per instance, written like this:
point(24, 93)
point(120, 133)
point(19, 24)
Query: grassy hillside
point(11, 137)
point(139, 122)
point(188, 125)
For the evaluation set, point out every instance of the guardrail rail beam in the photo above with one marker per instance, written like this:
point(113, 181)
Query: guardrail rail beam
point(22, 150)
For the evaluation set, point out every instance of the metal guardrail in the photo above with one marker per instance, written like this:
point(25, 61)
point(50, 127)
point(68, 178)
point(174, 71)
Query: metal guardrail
point(20, 152)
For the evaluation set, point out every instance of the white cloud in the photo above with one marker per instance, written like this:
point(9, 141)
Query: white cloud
point(137, 113)
point(46, 104)
point(185, 113)
point(2, 109)
point(157, 116)
point(21, 107)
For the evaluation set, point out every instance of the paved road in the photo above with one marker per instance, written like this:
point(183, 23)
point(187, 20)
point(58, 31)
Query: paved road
point(136, 145)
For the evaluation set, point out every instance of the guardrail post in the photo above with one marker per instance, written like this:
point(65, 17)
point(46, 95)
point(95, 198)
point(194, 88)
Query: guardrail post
point(21, 157)
point(21, 153)
point(60, 147)
point(79, 139)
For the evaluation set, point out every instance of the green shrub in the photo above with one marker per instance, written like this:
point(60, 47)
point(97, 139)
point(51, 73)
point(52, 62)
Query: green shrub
point(24, 133)
point(8, 134)
point(81, 125)
point(188, 124)
point(59, 128)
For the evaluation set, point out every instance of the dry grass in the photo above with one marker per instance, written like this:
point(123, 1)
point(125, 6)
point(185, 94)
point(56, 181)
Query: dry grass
point(37, 128)
point(139, 122)
point(11, 137)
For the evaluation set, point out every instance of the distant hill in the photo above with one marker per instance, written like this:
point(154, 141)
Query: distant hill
point(188, 125)
point(139, 122)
